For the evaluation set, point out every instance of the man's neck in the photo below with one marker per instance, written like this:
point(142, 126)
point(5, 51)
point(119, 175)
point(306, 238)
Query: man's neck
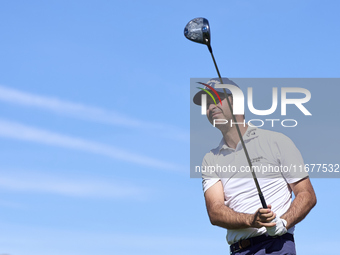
point(231, 136)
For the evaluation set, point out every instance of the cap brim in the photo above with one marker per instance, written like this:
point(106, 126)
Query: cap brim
point(198, 96)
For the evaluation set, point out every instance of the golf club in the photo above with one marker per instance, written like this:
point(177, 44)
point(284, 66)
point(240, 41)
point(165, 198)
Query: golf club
point(198, 30)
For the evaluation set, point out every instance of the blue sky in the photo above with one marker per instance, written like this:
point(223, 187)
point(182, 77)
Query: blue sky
point(95, 113)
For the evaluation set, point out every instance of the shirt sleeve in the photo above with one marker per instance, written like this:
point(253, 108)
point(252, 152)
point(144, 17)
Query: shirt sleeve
point(209, 177)
point(290, 159)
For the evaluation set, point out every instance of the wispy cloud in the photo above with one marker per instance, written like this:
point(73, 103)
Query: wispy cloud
point(80, 187)
point(85, 112)
point(23, 132)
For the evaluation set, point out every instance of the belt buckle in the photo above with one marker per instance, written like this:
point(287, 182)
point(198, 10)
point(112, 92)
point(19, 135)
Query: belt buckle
point(235, 251)
point(233, 248)
point(231, 252)
point(240, 247)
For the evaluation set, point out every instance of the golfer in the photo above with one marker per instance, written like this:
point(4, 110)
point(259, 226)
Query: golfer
point(230, 193)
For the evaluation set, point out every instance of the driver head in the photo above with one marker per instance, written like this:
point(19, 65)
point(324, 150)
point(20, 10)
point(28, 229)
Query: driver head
point(198, 30)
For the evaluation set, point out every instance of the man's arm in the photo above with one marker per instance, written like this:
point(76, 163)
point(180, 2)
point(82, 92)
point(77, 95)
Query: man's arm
point(304, 201)
point(222, 216)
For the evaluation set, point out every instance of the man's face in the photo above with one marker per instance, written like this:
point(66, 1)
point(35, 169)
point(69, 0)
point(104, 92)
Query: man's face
point(218, 111)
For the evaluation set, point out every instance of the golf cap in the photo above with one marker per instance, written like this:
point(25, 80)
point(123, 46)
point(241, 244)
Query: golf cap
point(212, 83)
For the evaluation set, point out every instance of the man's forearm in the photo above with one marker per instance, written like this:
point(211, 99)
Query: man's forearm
point(300, 207)
point(223, 216)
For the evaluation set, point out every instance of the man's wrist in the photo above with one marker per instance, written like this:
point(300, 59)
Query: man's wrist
point(249, 220)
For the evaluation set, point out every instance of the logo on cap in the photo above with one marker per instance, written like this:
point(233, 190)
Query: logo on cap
point(212, 83)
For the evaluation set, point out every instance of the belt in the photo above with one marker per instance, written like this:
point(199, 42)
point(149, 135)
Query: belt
point(242, 244)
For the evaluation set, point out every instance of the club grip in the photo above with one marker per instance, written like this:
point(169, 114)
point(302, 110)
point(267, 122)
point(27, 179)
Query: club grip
point(263, 202)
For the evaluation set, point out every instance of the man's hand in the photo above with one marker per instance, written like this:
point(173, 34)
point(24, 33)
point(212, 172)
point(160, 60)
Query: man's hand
point(263, 218)
point(279, 229)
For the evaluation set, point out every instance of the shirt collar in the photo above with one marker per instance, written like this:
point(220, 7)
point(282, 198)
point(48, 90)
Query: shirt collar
point(251, 133)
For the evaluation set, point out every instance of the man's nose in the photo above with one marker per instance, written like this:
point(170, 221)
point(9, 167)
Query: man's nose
point(211, 106)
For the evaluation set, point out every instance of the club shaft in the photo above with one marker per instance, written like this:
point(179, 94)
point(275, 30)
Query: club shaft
point(263, 201)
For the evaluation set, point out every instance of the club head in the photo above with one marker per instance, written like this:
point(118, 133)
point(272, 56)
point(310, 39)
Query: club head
point(198, 30)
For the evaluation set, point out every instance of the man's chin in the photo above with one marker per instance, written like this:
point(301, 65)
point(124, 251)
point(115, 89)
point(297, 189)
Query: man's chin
point(217, 115)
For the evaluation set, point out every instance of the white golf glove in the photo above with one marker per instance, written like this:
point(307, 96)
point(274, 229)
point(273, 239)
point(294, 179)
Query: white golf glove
point(279, 229)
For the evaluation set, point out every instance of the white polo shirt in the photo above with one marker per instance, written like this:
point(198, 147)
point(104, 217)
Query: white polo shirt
point(276, 162)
